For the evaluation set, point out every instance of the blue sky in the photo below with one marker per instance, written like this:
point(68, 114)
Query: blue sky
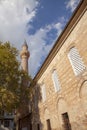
point(40, 22)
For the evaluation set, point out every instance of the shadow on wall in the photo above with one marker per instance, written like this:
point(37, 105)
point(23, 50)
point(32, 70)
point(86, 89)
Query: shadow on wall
point(30, 114)
point(27, 116)
point(37, 98)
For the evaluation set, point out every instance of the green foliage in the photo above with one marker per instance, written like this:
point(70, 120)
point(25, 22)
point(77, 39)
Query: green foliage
point(14, 82)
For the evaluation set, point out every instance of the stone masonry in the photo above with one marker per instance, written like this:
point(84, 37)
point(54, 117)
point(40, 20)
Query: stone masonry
point(71, 99)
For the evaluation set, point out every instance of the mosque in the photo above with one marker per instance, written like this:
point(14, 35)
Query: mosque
point(60, 99)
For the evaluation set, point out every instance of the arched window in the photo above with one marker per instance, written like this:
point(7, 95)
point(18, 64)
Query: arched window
point(43, 92)
point(76, 61)
point(56, 81)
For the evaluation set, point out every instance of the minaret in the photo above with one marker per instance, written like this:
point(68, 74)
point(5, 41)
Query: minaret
point(24, 54)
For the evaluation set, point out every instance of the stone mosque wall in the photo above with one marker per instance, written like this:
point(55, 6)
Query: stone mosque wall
point(63, 81)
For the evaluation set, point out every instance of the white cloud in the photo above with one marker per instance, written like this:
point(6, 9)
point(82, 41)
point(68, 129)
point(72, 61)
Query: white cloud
point(38, 45)
point(15, 18)
point(71, 4)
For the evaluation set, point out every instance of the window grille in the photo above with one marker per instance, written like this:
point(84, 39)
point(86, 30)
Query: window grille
point(48, 124)
point(66, 123)
point(76, 61)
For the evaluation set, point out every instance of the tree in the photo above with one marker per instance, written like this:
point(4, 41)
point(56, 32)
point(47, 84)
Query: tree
point(13, 90)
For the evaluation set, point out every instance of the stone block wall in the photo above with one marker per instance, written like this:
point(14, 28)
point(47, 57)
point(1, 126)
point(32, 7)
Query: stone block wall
point(72, 96)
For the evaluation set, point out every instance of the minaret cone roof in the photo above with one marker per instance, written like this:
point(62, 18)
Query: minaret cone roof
point(25, 44)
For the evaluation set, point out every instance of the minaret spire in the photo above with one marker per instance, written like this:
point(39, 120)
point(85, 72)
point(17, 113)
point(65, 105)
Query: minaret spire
point(24, 54)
